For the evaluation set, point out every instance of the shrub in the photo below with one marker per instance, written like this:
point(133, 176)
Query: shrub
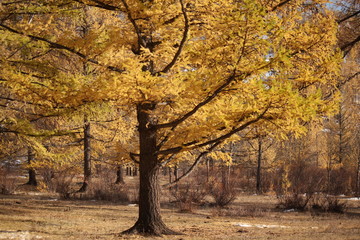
point(188, 194)
point(7, 182)
point(59, 182)
point(315, 202)
point(100, 190)
point(223, 194)
point(325, 203)
point(102, 187)
point(240, 211)
point(294, 201)
point(191, 191)
point(222, 187)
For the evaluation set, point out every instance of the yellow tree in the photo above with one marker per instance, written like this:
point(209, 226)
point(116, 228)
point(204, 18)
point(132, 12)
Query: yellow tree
point(190, 74)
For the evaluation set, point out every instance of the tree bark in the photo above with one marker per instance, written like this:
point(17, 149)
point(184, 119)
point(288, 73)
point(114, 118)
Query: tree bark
point(87, 156)
point(32, 174)
point(149, 219)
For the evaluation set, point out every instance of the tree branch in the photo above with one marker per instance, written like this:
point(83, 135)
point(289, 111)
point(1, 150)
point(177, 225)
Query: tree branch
point(193, 166)
point(348, 17)
point(216, 140)
point(99, 4)
point(61, 47)
point(176, 122)
point(132, 157)
point(348, 46)
point(136, 27)
point(183, 40)
point(280, 4)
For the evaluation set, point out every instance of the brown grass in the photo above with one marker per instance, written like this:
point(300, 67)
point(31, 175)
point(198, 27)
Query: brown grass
point(33, 215)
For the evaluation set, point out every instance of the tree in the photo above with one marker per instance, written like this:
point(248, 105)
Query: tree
point(348, 14)
point(190, 74)
point(261, 144)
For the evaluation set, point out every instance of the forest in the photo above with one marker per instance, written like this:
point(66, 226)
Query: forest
point(131, 100)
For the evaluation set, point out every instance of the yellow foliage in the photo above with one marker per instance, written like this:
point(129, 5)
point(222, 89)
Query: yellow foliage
point(209, 66)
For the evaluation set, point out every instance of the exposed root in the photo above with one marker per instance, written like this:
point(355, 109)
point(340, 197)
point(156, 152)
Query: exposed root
point(154, 229)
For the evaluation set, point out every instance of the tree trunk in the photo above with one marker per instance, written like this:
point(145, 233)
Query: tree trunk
point(119, 175)
point(87, 156)
point(258, 171)
point(329, 179)
point(169, 169)
point(32, 174)
point(207, 170)
point(358, 177)
point(149, 220)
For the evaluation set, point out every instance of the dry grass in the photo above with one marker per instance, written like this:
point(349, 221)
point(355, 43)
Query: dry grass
point(33, 215)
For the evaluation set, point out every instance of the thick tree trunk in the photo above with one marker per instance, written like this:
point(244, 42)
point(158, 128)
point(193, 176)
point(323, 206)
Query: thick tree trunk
point(87, 156)
point(32, 174)
point(119, 175)
point(149, 221)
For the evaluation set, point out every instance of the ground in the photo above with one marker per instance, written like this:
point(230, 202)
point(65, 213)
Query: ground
point(35, 215)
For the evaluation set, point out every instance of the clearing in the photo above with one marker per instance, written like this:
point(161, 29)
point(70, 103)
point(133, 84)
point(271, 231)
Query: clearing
point(34, 215)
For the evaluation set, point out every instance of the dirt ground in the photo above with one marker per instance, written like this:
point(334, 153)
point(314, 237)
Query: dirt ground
point(34, 215)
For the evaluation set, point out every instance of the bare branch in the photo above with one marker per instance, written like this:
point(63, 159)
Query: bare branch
point(348, 46)
point(193, 166)
point(348, 17)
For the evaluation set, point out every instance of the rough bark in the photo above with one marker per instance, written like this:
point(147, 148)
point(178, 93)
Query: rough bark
point(32, 174)
point(87, 156)
point(149, 219)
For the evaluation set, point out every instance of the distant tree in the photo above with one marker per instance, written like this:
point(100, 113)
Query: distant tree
point(348, 15)
point(260, 143)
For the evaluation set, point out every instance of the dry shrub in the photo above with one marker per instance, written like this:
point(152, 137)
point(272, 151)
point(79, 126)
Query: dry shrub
point(7, 181)
point(325, 203)
point(222, 187)
point(223, 194)
point(342, 181)
point(242, 211)
point(306, 178)
point(59, 181)
point(294, 201)
point(101, 190)
point(190, 192)
point(315, 202)
point(133, 193)
point(302, 177)
point(102, 187)
point(245, 177)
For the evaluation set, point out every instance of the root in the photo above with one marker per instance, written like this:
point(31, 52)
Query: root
point(154, 229)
